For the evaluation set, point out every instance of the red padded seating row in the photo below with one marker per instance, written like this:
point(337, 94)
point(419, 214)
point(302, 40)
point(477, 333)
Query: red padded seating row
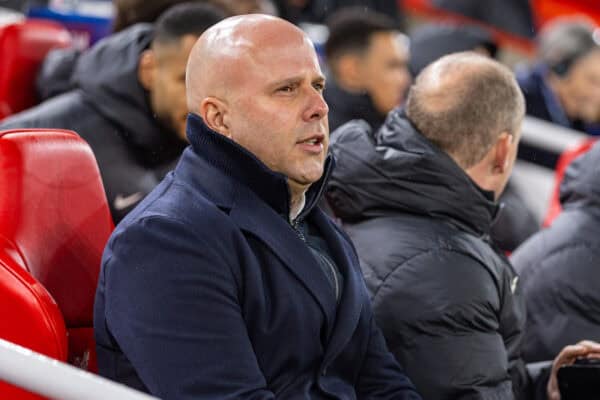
point(54, 223)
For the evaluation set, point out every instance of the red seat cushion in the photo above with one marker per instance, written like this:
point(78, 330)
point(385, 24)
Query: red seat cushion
point(54, 223)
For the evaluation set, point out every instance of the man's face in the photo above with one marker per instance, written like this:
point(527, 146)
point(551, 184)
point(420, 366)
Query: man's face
point(580, 88)
point(277, 111)
point(167, 91)
point(384, 69)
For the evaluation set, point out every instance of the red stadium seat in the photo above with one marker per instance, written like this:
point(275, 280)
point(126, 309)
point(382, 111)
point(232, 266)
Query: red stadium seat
point(23, 46)
point(566, 158)
point(54, 223)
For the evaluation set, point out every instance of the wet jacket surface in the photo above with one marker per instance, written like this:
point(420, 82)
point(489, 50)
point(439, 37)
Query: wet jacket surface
point(448, 304)
point(208, 292)
point(110, 110)
point(560, 267)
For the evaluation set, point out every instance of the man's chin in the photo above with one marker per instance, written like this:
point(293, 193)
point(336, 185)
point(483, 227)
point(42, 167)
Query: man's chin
point(303, 182)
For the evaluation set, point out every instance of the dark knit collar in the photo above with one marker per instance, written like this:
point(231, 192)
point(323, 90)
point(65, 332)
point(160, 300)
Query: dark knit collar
point(244, 167)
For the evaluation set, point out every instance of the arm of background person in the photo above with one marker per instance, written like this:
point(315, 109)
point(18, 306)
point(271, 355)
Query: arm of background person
point(172, 305)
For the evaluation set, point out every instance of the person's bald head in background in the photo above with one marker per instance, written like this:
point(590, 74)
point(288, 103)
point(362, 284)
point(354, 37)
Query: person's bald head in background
point(471, 107)
point(256, 80)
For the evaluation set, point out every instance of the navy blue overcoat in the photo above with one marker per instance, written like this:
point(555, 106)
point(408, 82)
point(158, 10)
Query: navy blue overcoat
point(207, 292)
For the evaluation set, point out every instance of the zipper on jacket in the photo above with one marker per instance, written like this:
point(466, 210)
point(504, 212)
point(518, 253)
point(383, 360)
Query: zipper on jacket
point(333, 270)
point(296, 226)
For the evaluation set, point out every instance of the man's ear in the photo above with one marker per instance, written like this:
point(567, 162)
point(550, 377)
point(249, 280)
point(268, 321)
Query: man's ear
point(147, 69)
point(215, 114)
point(503, 152)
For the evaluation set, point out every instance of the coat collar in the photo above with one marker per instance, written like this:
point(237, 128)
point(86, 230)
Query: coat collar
point(235, 162)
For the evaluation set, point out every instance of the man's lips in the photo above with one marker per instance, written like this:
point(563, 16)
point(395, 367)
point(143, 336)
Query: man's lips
point(313, 143)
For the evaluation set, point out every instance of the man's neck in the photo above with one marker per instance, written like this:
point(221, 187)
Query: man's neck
point(296, 206)
point(297, 199)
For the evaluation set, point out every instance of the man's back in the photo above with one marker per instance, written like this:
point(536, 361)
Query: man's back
point(441, 294)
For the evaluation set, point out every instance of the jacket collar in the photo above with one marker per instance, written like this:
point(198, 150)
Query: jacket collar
point(399, 170)
point(237, 163)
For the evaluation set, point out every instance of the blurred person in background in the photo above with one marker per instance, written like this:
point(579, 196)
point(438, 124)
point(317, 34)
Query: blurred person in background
point(515, 17)
point(129, 102)
point(129, 12)
point(368, 63)
point(418, 198)
point(55, 75)
point(559, 267)
point(318, 11)
point(515, 222)
point(428, 42)
point(564, 86)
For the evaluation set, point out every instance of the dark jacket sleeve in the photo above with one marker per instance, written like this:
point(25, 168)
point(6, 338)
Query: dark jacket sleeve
point(439, 312)
point(172, 306)
point(381, 377)
point(562, 297)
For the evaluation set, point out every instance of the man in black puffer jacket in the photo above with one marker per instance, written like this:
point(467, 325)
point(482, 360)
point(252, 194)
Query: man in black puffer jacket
point(129, 102)
point(418, 200)
point(559, 266)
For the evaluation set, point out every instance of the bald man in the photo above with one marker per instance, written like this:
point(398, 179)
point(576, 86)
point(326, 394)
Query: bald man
point(228, 282)
point(418, 198)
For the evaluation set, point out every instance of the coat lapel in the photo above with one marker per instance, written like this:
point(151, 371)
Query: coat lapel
point(353, 296)
point(255, 217)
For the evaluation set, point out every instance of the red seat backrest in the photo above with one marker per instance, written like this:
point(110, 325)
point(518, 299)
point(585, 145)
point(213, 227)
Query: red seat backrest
point(54, 224)
point(566, 158)
point(23, 47)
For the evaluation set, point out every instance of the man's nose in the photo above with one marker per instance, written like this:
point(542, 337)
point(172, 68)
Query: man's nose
point(317, 107)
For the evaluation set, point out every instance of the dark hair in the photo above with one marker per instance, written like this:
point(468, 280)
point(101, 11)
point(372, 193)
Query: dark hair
point(190, 18)
point(463, 102)
point(350, 30)
point(431, 41)
point(129, 12)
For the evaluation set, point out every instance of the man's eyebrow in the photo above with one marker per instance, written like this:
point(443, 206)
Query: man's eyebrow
point(287, 81)
point(319, 79)
point(297, 79)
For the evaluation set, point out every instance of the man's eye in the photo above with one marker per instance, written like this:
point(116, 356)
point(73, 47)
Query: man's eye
point(286, 89)
point(319, 86)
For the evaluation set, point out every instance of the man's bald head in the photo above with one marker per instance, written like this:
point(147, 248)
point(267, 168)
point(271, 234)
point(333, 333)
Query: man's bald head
point(256, 80)
point(463, 102)
point(224, 53)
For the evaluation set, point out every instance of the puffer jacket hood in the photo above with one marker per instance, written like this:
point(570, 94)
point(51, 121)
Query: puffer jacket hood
point(107, 75)
point(399, 170)
point(581, 183)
